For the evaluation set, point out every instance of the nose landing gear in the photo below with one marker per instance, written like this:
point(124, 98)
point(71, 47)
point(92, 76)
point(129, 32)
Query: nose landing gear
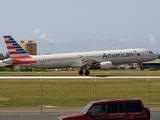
point(141, 66)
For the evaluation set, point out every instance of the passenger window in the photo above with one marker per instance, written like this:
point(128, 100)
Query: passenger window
point(121, 107)
point(133, 107)
point(112, 108)
point(98, 109)
point(94, 109)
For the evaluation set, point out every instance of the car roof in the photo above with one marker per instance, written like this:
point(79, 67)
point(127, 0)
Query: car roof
point(116, 100)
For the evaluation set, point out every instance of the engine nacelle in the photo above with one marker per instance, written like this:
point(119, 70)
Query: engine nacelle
point(106, 65)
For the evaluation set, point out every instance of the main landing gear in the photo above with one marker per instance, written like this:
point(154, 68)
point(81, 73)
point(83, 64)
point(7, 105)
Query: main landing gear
point(86, 72)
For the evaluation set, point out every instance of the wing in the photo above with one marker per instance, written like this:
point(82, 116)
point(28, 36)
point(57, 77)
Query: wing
point(88, 62)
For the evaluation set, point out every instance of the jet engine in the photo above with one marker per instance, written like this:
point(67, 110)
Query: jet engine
point(106, 65)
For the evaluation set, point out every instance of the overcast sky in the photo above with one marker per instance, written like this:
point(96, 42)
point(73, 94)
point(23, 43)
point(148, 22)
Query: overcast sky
point(82, 25)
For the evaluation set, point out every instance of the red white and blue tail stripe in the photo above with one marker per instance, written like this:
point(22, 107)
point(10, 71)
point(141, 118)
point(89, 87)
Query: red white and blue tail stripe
point(14, 49)
point(17, 54)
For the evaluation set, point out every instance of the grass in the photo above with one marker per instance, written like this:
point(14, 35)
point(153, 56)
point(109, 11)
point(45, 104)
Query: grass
point(92, 73)
point(75, 92)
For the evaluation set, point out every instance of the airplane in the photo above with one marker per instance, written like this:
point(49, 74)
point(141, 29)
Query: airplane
point(4, 64)
point(83, 60)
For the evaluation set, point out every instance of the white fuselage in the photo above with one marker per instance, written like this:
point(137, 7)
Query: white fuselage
point(73, 60)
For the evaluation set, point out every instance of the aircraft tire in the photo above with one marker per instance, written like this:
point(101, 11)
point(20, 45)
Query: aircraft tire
point(87, 72)
point(80, 72)
point(141, 68)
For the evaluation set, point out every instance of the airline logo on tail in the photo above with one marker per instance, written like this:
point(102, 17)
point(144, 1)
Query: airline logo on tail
point(17, 54)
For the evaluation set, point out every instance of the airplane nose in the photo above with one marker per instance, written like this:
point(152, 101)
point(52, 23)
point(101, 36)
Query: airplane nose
point(156, 56)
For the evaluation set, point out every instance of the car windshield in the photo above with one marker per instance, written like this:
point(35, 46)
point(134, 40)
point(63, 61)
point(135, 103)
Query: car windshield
point(85, 108)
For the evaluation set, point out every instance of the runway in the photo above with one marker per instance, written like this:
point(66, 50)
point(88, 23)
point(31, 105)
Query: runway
point(76, 77)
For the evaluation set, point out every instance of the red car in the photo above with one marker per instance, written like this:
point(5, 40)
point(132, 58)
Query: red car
point(120, 109)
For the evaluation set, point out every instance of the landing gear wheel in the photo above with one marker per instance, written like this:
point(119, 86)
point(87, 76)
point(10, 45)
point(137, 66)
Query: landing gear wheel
point(87, 72)
point(80, 72)
point(141, 68)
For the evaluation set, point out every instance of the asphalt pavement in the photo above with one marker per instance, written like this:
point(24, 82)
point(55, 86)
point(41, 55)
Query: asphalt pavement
point(52, 112)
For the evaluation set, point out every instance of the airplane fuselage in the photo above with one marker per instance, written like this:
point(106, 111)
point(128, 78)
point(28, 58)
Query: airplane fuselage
point(73, 60)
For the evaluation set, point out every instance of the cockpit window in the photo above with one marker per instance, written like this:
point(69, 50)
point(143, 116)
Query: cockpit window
point(150, 52)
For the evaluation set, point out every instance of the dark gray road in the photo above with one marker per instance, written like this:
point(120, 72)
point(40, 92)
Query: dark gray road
point(52, 112)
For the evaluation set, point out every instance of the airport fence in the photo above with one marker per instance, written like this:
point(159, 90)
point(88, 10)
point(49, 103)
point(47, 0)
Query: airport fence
point(76, 92)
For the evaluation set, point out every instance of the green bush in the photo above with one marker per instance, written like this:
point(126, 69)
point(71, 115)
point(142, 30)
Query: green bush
point(23, 69)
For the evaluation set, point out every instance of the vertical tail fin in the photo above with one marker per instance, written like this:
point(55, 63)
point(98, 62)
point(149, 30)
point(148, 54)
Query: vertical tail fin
point(18, 56)
point(14, 49)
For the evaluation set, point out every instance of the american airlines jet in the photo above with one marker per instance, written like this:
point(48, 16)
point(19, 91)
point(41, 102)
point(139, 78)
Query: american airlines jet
point(4, 64)
point(84, 60)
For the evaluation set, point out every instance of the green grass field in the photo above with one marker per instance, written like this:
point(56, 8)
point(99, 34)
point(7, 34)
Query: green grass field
point(75, 92)
point(92, 73)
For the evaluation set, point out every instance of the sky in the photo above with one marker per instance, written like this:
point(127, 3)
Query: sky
point(62, 26)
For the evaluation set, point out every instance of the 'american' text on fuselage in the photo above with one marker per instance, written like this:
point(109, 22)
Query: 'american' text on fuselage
point(117, 55)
